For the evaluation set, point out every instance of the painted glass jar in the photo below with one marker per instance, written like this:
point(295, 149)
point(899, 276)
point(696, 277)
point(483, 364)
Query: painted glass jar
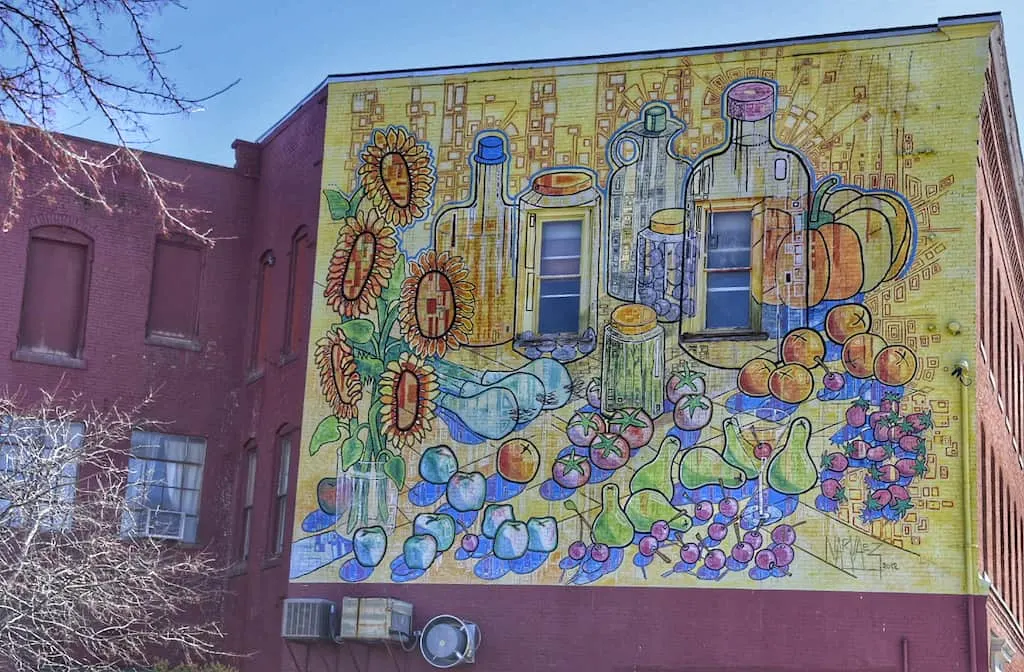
point(741, 200)
point(633, 361)
point(481, 231)
point(666, 264)
point(646, 176)
point(556, 278)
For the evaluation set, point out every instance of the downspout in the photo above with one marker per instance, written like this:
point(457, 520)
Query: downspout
point(970, 542)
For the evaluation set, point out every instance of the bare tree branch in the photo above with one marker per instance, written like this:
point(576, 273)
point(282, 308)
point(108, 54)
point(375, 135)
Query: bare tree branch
point(76, 58)
point(77, 591)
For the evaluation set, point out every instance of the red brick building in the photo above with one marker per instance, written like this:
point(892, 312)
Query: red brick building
point(224, 334)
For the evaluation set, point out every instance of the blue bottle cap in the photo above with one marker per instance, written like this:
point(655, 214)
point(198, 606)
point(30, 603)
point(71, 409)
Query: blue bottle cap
point(490, 149)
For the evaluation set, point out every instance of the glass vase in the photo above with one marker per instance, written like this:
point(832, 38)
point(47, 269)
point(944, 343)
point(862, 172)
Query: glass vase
point(366, 497)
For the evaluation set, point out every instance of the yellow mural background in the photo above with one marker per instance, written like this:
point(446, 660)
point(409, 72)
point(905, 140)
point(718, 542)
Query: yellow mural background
point(880, 113)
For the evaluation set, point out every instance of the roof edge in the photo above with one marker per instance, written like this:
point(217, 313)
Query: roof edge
point(942, 22)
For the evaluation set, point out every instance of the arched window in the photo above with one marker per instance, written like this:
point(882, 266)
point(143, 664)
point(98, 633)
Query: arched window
point(53, 306)
point(300, 291)
point(258, 352)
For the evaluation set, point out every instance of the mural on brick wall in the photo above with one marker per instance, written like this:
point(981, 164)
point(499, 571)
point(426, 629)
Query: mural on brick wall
point(658, 323)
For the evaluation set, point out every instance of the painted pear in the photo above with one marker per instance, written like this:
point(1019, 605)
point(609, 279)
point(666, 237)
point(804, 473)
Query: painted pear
point(612, 526)
point(656, 474)
point(792, 471)
point(736, 451)
point(646, 507)
point(703, 466)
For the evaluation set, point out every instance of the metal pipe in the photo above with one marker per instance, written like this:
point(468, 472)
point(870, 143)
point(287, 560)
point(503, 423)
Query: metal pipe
point(970, 522)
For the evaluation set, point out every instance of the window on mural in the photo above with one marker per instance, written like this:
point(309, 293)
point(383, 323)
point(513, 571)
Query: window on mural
point(284, 453)
point(164, 477)
point(174, 293)
point(38, 472)
point(56, 292)
point(728, 272)
point(248, 497)
point(560, 279)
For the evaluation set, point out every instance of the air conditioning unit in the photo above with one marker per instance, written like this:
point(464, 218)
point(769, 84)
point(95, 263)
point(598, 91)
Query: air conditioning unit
point(308, 619)
point(158, 523)
point(376, 619)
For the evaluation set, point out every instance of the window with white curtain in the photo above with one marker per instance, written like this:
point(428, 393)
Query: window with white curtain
point(165, 473)
point(38, 472)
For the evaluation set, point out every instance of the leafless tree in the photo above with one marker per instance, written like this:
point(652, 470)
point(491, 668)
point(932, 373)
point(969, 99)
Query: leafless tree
point(78, 590)
point(67, 59)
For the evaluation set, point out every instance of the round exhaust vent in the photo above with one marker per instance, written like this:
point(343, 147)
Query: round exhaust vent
point(447, 641)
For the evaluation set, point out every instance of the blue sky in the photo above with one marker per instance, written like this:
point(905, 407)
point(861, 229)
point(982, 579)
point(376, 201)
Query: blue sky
point(282, 49)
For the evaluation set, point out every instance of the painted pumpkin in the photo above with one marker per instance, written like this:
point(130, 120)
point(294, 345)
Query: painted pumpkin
point(856, 240)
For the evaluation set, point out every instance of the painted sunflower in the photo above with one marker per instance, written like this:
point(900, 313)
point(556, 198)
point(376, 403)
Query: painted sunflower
point(437, 304)
point(397, 175)
point(339, 380)
point(407, 390)
point(361, 264)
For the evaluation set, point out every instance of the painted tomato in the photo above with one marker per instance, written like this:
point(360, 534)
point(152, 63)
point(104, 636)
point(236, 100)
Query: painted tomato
point(895, 365)
point(753, 378)
point(859, 354)
point(609, 451)
point(571, 471)
point(584, 427)
point(692, 412)
point(683, 383)
point(633, 425)
point(791, 383)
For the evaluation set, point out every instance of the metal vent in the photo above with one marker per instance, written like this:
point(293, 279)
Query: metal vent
point(308, 619)
point(376, 619)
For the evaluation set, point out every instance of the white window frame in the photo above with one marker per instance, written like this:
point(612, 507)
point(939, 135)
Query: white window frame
point(182, 480)
point(284, 456)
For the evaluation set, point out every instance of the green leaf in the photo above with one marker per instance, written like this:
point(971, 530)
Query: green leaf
point(351, 452)
point(395, 470)
point(394, 286)
point(358, 330)
point(357, 198)
point(369, 367)
point(328, 431)
point(337, 203)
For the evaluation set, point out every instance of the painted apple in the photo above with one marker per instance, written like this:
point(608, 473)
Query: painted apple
point(518, 460)
point(803, 346)
point(419, 551)
point(440, 526)
point(845, 321)
point(791, 383)
point(494, 516)
point(326, 495)
point(466, 491)
point(753, 378)
point(895, 365)
point(438, 464)
point(542, 533)
point(571, 471)
point(859, 354)
point(511, 540)
point(369, 544)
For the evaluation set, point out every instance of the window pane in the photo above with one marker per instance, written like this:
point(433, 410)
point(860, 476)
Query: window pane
point(174, 298)
point(559, 315)
point(282, 509)
point(250, 479)
point(729, 240)
point(52, 305)
point(560, 239)
point(560, 266)
point(728, 301)
point(282, 474)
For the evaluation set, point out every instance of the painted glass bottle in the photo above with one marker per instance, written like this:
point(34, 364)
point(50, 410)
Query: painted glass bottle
point(647, 176)
point(741, 200)
point(633, 361)
point(481, 230)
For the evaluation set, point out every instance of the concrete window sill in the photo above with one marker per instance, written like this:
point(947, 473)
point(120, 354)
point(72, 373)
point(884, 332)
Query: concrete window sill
point(177, 342)
point(48, 358)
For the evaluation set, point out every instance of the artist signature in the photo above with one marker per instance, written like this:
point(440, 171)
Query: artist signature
point(855, 554)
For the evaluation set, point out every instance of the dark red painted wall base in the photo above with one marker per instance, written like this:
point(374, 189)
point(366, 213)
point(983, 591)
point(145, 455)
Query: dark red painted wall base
point(533, 629)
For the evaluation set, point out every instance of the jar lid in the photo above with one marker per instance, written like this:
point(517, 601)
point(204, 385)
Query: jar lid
point(669, 220)
point(751, 101)
point(490, 149)
point(634, 318)
point(655, 118)
point(562, 183)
